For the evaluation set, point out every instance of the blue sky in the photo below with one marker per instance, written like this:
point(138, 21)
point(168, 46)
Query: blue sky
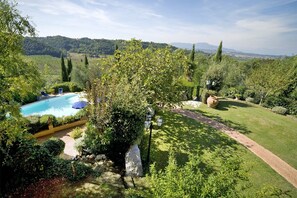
point(258, 26)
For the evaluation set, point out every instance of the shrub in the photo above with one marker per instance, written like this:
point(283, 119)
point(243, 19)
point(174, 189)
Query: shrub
point(272, 101)
point(55, 146)
point(248, 93)
point(33, 124)
point(67, 87)
point(199, 177)
point(44, 120)
point(70, 170)
point(206, 93)
point(279, 110)
point(76, 133)
point(27, 162)
point(95, 141)
point(188, 92)
point(80, 144)
point(292, 107)
point(36, 123)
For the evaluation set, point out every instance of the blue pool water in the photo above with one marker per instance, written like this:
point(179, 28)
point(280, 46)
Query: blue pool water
point(59, 106)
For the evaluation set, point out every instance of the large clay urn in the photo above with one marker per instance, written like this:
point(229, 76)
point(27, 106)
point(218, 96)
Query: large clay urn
point(212, 101)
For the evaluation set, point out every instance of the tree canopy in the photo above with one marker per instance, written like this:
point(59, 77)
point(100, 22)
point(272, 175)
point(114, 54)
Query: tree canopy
point(17, 77)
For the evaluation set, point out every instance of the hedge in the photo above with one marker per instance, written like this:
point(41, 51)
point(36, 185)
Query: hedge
point(66, 86)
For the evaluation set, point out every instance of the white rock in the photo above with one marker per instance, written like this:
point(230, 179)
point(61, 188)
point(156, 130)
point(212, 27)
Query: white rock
point(133, 162)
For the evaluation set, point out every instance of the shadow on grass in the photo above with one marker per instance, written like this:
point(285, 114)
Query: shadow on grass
point(182, 135)
point(224, 105)
point(239, 127)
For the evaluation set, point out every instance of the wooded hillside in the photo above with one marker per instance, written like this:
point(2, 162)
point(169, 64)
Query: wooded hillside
point(54, 45)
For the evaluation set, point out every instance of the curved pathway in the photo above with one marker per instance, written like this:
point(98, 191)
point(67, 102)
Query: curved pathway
point(280, 166)
point(69, 150)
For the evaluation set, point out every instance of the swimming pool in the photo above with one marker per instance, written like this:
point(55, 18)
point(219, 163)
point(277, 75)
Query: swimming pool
point(59, 106)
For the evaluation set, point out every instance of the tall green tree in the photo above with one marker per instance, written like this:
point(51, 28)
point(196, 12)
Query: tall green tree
point(17, 77)
point(271, 77)
point(192, 65)
point(159, 70)
point(69, 69)
point(218, 55)
point(64, 70)
point(86, 62)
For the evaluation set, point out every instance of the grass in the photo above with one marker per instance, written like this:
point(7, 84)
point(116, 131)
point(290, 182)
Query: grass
point(275, 132)
point(184, 135)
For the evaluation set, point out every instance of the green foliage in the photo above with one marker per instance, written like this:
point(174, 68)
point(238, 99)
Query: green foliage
point(76, 133)
point(117, 116)
point(27, 163)
point(36, 123)
point(94, 141)
point(158, 71)
point(64, 70)
point(206, 93)
point(205, 175)
point(218, 56)
point(69, 69)
point(271, 191)
point(51, 45)
point(192, 66)
point(71, 170)
point(279, 110)
point(54, 146)
point(272, 77)
point(86, 62)
point(32, 46)
point(67, 87)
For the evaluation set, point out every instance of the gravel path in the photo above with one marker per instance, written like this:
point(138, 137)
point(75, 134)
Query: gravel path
point(280, 166)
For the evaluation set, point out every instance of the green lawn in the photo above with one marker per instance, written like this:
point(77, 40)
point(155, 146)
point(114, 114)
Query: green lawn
point(184, 135)
point(275, 132)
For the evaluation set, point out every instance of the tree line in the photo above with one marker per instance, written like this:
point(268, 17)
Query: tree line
point(54, 45)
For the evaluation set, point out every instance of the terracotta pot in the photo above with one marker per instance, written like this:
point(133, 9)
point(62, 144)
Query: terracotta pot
point(212, 101)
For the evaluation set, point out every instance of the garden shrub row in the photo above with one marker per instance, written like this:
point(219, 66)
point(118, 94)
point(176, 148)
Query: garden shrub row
point(66, 86)
point(36, 123)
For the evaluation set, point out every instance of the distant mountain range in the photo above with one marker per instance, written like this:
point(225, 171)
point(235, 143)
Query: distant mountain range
point(208, 48)
point(55, 45)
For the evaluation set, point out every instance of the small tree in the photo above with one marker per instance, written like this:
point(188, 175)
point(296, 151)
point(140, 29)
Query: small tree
point(64, 70)
point(69, 69)
point(218, 56)
point(86, 61)
point(192, 65)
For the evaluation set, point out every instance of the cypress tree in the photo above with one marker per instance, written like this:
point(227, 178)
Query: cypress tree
point(218, 56)
point(117, 53)
point(64, 71)
point(192, 56)
point(69, 69)
point(192, 65)
point(86, 61)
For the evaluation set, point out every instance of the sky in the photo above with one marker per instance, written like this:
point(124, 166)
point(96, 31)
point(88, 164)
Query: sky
point(257, 26)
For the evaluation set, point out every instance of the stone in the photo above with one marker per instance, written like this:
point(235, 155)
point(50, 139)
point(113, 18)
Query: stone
point(133, 162)
point(100, 157)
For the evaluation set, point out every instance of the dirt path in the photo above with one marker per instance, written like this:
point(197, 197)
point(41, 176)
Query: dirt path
point(280, 166)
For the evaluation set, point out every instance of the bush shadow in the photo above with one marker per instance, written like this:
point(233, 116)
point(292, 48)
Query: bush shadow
point(224, 104)
point(182, 135)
